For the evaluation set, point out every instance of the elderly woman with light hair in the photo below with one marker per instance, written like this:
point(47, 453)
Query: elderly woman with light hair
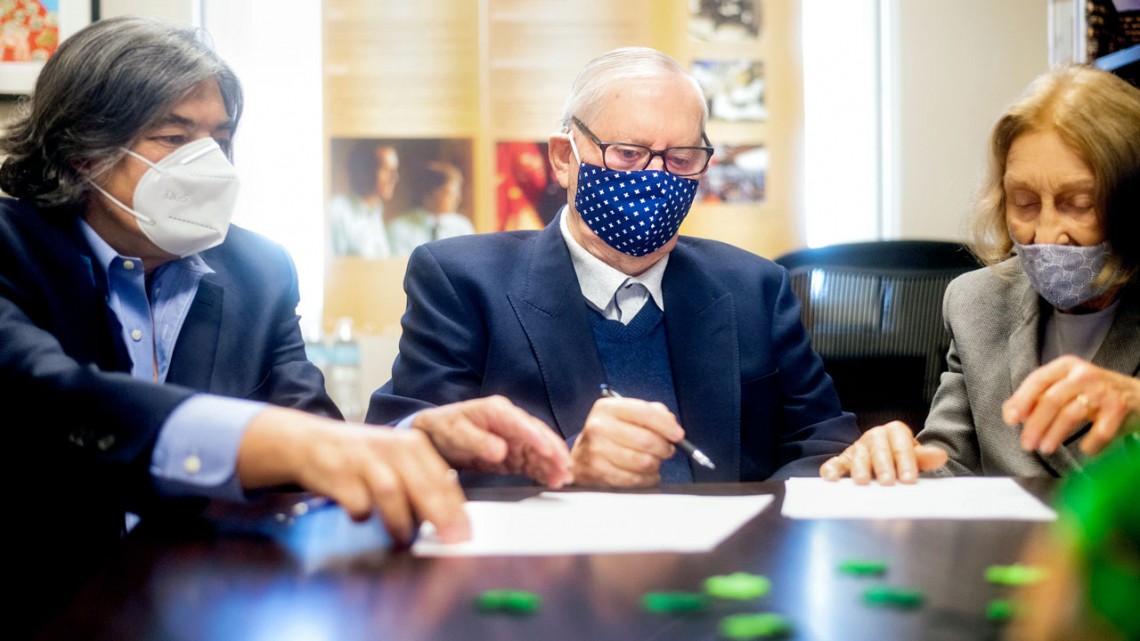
point(1045, 354)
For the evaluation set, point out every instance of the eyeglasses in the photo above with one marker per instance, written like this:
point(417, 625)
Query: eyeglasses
point(624, 156)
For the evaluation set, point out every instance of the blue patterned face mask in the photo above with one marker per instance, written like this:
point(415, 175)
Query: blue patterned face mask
point(635, 212)
point(1064, 275)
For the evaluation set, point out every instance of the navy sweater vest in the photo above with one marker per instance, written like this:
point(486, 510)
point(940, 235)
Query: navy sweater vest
point(636, 361)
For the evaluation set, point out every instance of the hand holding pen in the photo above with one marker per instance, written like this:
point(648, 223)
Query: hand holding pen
point(684, 444)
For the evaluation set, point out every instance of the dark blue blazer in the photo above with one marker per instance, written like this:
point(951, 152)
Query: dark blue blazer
point(82, 448)
point(504, 314)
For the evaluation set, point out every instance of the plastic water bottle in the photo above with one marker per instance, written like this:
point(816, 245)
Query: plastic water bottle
point(344, 371)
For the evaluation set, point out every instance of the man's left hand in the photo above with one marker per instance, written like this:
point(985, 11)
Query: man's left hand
point(886, 453)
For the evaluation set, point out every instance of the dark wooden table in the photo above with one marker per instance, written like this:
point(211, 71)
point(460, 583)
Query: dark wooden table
point(243, 574)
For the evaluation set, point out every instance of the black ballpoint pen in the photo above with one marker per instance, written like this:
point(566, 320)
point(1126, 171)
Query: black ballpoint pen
point(684, 444)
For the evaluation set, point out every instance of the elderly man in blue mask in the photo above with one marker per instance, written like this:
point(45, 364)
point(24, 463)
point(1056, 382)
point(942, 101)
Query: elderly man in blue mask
point(702, 339)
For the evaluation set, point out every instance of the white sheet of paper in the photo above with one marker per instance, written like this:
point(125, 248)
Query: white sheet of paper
point(952, 498)
point(555, 523)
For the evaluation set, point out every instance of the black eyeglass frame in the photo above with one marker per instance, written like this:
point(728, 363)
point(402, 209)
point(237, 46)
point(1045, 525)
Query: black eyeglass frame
point(653, 153)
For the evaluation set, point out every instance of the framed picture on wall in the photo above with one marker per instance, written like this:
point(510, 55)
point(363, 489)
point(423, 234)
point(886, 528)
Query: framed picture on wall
point(30, 31)
point(734, 89)
point(527, 194)
point(389, 195)
point(737, 174)
point(724, 20)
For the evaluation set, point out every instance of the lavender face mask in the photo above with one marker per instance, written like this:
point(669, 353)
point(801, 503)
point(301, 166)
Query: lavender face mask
point(1064, 275)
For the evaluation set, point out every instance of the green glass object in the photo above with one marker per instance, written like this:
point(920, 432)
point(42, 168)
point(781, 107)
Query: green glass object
point(510, 601)
point(1098, 517)
point(1000, 610)
point(893, 597)
point(675, 602)
point(738, 586)
point(863, 567)
point(754, 626)
point(1015, 574)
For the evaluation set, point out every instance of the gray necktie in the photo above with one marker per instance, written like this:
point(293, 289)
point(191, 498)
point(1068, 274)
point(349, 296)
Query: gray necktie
point(629, 299)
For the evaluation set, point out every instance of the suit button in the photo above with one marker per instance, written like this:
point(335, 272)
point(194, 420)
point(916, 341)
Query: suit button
point(105, 443)
point(76, 438)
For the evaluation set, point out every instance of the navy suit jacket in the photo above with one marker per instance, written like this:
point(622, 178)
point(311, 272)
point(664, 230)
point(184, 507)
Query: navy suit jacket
point(503, 314)
point(83, 448)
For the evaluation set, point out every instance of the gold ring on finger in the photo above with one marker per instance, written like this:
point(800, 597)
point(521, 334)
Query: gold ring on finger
point(1090, 408)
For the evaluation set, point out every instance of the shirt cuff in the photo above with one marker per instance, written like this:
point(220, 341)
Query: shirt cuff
point(196, 451)
point(406, 422)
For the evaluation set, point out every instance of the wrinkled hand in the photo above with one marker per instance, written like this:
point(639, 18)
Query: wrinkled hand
point(494, 435)
point(363, 469)
point(888, 452)
point(1055, 400)
point(623, 443)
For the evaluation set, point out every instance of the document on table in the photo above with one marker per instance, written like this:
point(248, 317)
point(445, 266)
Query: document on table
point(952, 498)
point(554, 523)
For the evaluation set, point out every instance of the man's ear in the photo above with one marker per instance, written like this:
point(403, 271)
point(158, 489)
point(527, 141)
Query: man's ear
point(561, 157)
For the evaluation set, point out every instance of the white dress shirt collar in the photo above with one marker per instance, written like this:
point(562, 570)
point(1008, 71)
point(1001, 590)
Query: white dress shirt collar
point(599, 281)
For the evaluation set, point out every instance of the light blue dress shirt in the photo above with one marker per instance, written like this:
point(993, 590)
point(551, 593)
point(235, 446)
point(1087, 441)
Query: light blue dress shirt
point(196, 451)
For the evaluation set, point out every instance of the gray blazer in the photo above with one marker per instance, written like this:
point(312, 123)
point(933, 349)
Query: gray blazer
point(996, 325)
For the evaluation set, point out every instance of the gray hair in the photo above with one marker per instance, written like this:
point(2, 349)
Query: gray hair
point(621, 65)
point(98, 92)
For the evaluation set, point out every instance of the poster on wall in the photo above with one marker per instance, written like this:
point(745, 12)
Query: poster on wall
point(737, 174)
point(734, 89)
point(390, 195)
point(30, 31)
point(527, 194)
point(724, 20)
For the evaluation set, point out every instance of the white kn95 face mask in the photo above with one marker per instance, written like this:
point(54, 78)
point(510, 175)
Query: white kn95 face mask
point(185, 201)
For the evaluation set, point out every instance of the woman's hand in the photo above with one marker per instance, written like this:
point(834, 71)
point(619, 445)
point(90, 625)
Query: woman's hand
point(1055, 400)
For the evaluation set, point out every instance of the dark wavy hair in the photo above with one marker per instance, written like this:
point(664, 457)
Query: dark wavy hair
point(96, 95)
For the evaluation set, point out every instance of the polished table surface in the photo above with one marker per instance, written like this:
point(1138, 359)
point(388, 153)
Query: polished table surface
point(250, 573)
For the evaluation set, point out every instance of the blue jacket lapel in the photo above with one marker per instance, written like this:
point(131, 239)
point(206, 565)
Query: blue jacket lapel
point(700, 324)
point(192, 363)
point(549, 305)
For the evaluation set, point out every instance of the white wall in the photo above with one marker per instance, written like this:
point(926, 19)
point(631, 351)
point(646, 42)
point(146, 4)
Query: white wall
point(956, 65)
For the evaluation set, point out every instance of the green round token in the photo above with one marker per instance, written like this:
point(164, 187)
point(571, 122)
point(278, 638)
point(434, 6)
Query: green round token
point(1000, 610)
point(511, 601)
point(1014, 574)
point(739, 586)
point(754, 626)
point(863, 567)
point(675, 602)
point(896, 597)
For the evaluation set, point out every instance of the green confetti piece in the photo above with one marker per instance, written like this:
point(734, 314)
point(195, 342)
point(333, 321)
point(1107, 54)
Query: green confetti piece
point(895, 597)
point(1000, 610)
point(510, 601)
point(754, 626)
point(1015, 574)
point(675, 602)
point(739, 586)
point(863, 567)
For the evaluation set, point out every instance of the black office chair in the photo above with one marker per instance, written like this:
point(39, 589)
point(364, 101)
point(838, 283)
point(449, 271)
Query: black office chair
point(874, 311)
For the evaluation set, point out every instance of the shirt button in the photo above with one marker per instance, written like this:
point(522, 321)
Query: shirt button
point(192, 464)
point(136, 334)
point(128, 264)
